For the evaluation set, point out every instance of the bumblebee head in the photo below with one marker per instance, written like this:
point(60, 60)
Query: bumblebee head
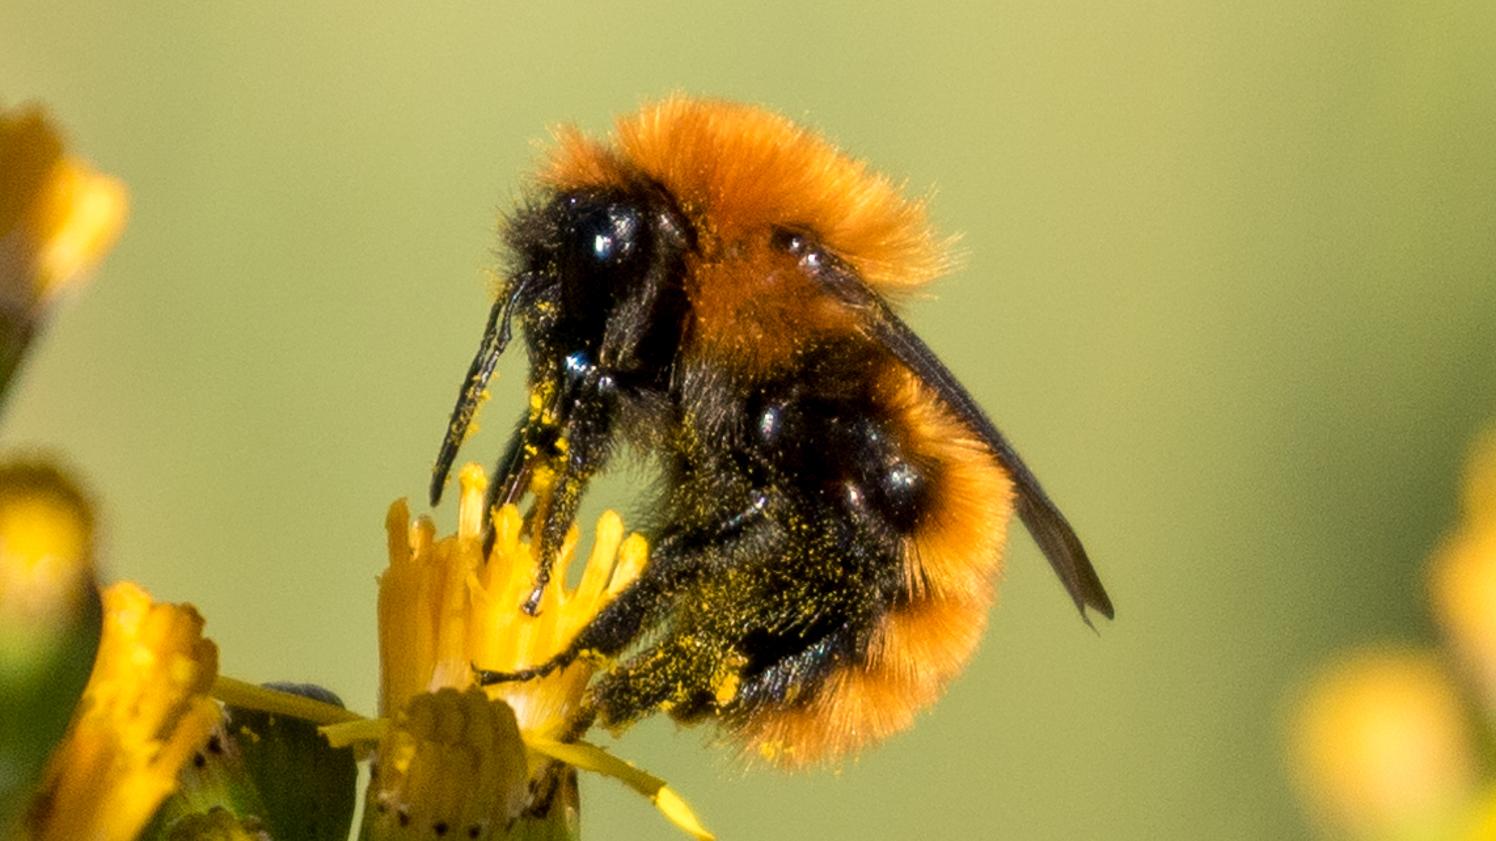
point(598, 279)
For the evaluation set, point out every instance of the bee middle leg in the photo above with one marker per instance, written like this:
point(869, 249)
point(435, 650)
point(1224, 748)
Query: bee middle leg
point(680, 673)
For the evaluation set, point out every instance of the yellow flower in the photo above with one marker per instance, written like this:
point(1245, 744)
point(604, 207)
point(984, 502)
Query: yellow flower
point(443, 607)
point(1462, 573)
point(144, 712)
point(1381, 745)
point(450, 758)
point(58, 216)
point(454, 759)
point(49, 622)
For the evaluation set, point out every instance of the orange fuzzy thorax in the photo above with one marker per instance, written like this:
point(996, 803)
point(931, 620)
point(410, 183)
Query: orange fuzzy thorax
point(738, 170)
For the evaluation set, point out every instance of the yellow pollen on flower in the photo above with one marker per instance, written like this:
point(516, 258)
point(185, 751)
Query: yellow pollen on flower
point(58, 216)
point(444, 608)
point(143, 714)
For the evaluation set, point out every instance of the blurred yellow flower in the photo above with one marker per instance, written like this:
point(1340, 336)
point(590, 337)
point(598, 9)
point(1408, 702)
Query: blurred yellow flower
point(143, 714)
point(1462, 573)
point(46, 573)
point(49, 622)
point(58, 216)
point(1381, 745)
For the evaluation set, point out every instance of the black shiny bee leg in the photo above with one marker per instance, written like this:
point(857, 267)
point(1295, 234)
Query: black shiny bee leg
point(485, 677)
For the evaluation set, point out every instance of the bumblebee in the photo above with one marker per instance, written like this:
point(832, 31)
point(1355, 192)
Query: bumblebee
point(711, 287)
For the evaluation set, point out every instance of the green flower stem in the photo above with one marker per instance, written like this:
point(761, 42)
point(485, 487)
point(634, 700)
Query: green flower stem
point(239, 693)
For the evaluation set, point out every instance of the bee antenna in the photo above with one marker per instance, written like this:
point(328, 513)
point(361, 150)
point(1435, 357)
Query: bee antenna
point(496, 336)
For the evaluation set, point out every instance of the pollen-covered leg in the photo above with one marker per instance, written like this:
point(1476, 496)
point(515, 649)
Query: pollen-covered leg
point(685, 675)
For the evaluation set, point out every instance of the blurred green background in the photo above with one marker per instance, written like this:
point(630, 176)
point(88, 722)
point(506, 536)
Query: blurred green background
point(1230, 284)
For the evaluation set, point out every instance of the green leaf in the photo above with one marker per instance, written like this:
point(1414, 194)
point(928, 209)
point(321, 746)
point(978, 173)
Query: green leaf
point(309, 788)
point(272, 773)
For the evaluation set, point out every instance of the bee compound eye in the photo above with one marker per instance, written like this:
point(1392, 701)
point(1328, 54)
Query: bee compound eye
point(789, 241)
point(611, 234)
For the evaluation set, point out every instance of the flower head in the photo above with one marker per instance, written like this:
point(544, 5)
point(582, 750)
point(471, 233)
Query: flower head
point(459, 756)
point(144, 712)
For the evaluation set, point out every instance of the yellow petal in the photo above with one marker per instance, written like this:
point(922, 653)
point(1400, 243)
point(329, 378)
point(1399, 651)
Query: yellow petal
point(85, 215)
point(364, 730)
point(46, 535)
point(241, 693)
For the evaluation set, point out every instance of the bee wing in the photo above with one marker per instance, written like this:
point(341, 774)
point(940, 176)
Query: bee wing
point(1043, 519)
